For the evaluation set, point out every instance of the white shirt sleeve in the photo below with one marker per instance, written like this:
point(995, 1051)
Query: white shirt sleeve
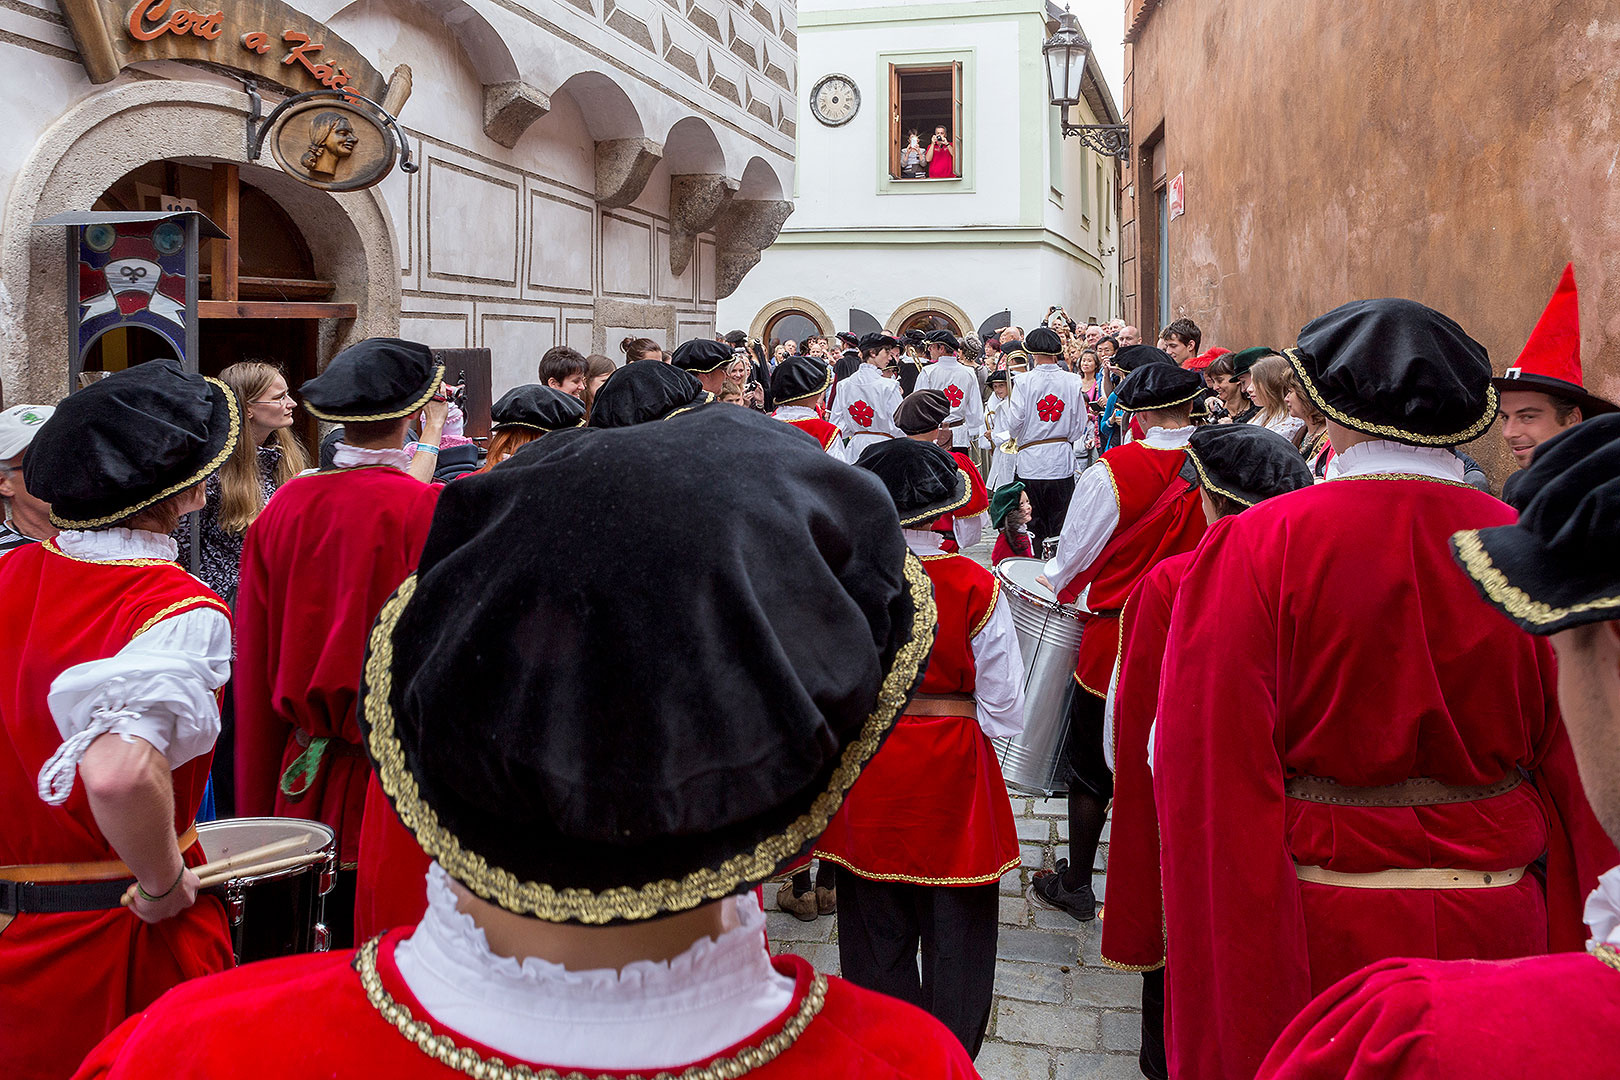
point(159, 688)
point(968, 530)
point(973, 407)
point(1093, 516)
point(998, 674)
point(1016, 405)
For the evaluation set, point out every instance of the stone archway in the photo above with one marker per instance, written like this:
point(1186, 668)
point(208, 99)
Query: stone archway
point(928, 303)
point(809, 308)
point(349, 235)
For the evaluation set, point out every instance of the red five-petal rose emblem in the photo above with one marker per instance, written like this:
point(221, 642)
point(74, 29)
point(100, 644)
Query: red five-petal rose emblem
point(953, 394)
point(862, 413)
point(1049, 408)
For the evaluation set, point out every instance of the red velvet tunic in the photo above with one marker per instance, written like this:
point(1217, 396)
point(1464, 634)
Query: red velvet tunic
point(823, 432)
point(1140, 474)
point(66, 980)
point(931, 807)
point(310, 1018)
point(317, 566)
point(1327, 633)
point(1543, 1016)
point(391, 888)
point(1133, 922)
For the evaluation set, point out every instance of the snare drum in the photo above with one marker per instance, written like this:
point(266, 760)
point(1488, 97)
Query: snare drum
point(282, 912)
point(1049, 637)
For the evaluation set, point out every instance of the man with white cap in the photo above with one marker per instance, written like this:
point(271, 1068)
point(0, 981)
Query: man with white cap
point(27, 520)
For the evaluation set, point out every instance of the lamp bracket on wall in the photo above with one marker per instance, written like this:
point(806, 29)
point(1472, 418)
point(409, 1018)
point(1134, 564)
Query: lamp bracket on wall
point(1109, 140)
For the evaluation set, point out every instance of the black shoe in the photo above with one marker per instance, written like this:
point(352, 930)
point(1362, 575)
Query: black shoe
point(1080, 903)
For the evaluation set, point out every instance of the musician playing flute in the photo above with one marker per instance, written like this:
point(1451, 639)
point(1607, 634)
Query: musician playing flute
point(317, 565)
point(1131, 510)
point(113, 658)
point(602, 786)
point(927, 833)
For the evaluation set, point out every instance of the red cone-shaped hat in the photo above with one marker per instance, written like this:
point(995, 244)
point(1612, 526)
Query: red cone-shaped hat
point(1551, 360)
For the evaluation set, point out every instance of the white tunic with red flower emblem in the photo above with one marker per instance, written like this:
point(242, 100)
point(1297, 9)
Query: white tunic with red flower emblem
point(1048, 407)
point(863, 408)
point(961, 386)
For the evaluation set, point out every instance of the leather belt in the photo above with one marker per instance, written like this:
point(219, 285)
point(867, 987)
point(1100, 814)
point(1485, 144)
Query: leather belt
point(56, 888)
point(1418, 791)
point(942, 705)
point(1042, 442)
point(102, 870)
point(1412, 879)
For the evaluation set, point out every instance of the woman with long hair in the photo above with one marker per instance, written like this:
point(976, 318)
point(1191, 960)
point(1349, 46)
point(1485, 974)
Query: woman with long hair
point(1268, 389)
point(597, 370)
point(1225, 384)
point(1314, 443)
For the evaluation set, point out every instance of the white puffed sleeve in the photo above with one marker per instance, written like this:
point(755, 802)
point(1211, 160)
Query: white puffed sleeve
point(158, 688)
point(998, 674)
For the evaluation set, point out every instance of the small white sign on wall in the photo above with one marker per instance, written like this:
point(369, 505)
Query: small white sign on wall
point(1178, 196)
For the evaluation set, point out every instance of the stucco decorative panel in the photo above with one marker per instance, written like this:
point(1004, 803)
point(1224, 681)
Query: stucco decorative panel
point(472, 225)
point(626, 256)
point(560, 243)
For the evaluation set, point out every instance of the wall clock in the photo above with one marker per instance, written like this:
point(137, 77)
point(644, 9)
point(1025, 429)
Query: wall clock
point(835, 100)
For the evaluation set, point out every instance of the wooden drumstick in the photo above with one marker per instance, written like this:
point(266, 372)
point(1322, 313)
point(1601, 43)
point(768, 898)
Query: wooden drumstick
point(225, 866)
point(258, 869)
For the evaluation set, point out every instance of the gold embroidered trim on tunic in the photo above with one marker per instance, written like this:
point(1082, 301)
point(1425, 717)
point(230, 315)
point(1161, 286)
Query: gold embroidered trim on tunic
point(500, 886)
point(50, 546)
point(1515, 601)
point(917, 879)
point(464, 1059)
point(1404, 476)
point(1295, 357)
point(1606, 955)
point(206, 601)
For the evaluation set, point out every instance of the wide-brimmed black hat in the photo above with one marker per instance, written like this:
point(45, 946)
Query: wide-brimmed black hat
point(922, 410)
point(638, 393)
point(702, 354)
point(923, 479)
point(1556, 568)
point(1158, 386)
point(541, 408)
point(1132, 357)
point(1395, 369)
point(1043, 340)
point(799, 377)
point(945, 338)
point(1245, 359)
point(1246, 463)
point(128, 441)
point(586, 747)
point(375, 379)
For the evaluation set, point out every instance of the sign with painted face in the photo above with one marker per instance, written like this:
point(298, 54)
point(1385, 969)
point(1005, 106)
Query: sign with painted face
point(330, 144)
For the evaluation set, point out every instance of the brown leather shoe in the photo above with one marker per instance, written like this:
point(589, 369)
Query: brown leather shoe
point(826, 900)
point(801, 907)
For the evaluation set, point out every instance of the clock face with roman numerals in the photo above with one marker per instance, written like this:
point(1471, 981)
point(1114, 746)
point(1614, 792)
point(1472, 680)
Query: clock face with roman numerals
point(835, 100)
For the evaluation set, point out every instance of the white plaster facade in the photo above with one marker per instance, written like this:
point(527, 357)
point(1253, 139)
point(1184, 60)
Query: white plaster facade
point(1032, 222)
point(589, 169)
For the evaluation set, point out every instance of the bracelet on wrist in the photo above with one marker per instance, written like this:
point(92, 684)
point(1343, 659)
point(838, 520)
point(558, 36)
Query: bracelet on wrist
point(149, 898)
point(425, 449)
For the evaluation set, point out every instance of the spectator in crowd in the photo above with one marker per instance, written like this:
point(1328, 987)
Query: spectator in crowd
point(730, 393)
point(941, 155)
point(913, 166)
point(526, 413)
point(565, 369)
point(1009, 516)
point(1181, 340)
point(1313, 444)
point(790, 348)
point(641, 348)
point(28, 519)
point(1129, 335)
point(1107, 348)
point(597, 370)
point(1094, 334)
point(1269, 380)
point(849, 360)
point(1091, 385)
point(1222, 377)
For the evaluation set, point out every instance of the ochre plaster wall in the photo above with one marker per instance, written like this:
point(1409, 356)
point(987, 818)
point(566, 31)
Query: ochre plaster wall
point(1453, 152)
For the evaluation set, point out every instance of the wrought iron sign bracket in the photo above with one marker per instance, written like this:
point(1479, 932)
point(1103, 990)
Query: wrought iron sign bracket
point(1109, 140)
point(259, 125)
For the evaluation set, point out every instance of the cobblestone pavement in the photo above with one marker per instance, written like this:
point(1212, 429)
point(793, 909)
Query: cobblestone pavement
point(1060, 1012)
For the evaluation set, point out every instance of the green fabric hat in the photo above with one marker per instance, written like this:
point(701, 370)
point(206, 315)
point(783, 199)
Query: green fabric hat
point(1244, 359)
point(1003, 501)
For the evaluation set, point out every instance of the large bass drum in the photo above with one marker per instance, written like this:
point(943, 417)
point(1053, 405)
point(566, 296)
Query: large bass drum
point(281, 912)
point(1049, 637)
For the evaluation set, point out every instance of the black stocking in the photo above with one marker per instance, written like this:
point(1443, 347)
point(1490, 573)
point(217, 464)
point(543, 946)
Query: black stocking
point(1087, 814)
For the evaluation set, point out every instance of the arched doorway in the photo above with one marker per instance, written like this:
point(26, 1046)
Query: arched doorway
point(790, 318)
point(928, 321)
point(789, 325)
point(927, 313)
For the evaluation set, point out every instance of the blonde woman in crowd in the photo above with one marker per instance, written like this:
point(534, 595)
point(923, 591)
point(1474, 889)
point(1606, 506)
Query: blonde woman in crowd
point(1269, 380)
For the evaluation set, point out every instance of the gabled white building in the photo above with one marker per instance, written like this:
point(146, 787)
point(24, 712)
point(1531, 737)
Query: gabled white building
point(1030, 219)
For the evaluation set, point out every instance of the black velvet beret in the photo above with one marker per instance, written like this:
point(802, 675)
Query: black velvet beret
point(673, 727)
point(923, 479)
point(879, 341)
point(999, 375)
point(1158, 386)
point(374, 379)
point(1246, 462)
point(702, 354)
point(1043, 340)
point(799, 377)
point(849, 339)
point(922, 410)
point(945, 338)
point(543, 408)
point(128, 441)
point(637, 393)
point(1395, 369)
point(1132, 357)
point(1556, 568)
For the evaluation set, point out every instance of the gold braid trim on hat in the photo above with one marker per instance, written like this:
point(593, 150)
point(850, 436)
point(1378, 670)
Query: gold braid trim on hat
point(208, 469)
point(1210, 485)
point(427, 395)
point(1477, 564)
point(628, 902)
point(464, 1059)
point(938, 511)
point(1367, 427)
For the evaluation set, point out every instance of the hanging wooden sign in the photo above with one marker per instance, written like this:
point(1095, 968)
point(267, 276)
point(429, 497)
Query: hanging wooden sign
point(332, 145)
point(264, 38)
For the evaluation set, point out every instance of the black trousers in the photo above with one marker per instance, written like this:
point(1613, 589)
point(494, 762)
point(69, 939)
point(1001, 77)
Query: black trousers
point(1085, 746)
point(881, 924)
point(826, 877)
point(1151, 1059)
point(1048, 506)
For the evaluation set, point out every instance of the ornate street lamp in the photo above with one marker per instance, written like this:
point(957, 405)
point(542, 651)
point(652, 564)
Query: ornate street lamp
point(1065, 52)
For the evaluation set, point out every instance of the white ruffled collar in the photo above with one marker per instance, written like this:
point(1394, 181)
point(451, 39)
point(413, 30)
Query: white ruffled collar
point(1168, 437)
point(924, 542)
point(1602, 912)
point(345, 456)
point(1383, 456)
point(795, 412)
point(112, 545)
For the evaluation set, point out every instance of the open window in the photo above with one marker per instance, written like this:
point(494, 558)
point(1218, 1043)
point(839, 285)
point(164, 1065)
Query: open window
point(922, 99)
